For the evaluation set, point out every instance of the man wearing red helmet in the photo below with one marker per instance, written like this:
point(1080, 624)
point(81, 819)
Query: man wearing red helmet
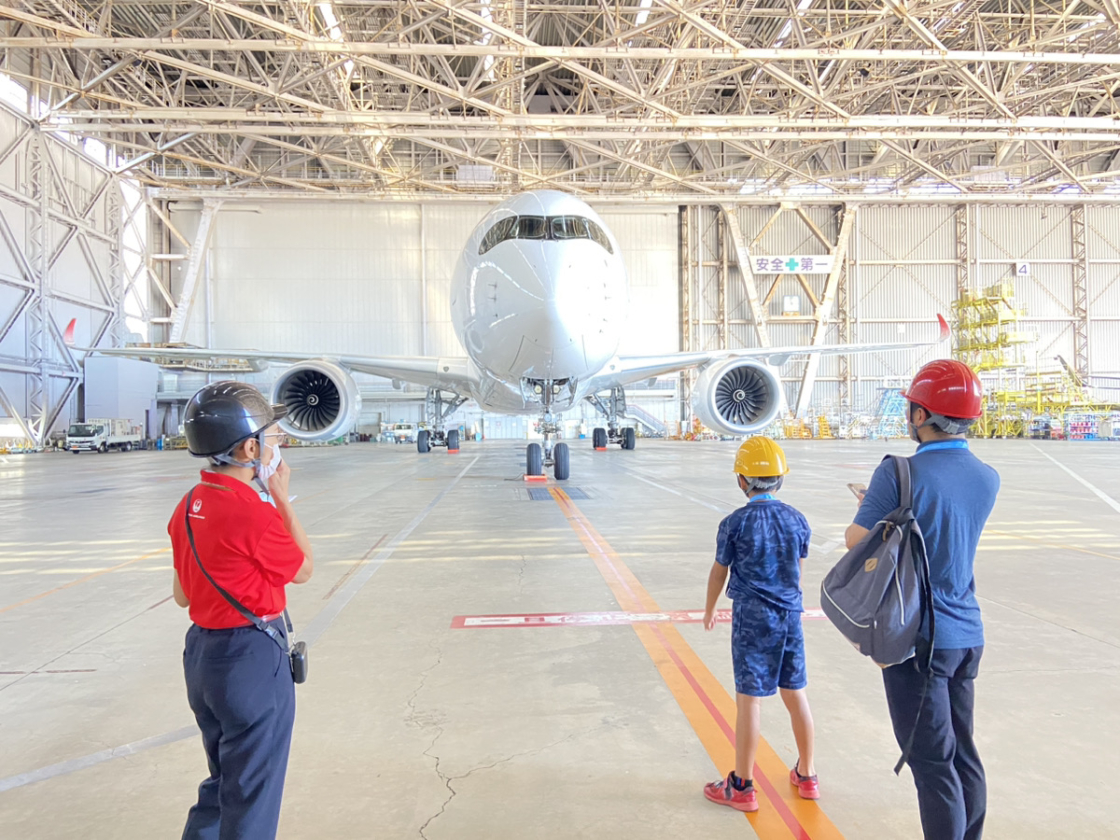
point(954, 493)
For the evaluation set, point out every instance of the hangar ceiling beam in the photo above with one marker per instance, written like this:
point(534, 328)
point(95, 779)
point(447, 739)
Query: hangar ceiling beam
point(797, 96)
point(722, 126)
point(305, 44)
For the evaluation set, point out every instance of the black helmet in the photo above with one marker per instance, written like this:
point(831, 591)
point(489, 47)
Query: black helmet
point(222, 415)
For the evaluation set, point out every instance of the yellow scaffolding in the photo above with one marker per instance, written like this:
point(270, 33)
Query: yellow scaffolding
point(988, 339)
point(795, 427)
point(987, 335)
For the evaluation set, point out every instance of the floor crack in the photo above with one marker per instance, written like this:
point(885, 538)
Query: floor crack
point(521, 575)
point(447, 780)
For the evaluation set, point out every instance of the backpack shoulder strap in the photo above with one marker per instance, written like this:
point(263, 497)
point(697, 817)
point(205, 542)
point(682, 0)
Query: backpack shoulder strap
point(905, 486)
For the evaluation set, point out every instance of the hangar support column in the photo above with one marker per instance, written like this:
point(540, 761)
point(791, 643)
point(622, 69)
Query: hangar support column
point(1080, 292)
point(822, 314)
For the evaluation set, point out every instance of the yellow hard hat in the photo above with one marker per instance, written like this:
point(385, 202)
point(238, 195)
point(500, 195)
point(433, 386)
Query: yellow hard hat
point(760, 457)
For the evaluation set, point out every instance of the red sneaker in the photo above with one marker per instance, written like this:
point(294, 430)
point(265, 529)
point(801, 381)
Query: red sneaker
point(724, 793)
point(807, 787)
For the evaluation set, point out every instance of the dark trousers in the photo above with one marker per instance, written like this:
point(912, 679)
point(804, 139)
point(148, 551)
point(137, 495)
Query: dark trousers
point(952, 793)
point(239, 686)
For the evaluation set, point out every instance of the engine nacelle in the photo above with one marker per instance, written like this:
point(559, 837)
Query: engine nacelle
point(322, 399)
point(737, 396)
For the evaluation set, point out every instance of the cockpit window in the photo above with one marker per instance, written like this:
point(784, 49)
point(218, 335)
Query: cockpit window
point(569, 227)
point(501, 231)
point(531, 227)
point(600, 236)
point(539, 227)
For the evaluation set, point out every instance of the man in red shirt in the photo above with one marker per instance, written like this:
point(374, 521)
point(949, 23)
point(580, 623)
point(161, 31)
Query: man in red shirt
point(239, 680)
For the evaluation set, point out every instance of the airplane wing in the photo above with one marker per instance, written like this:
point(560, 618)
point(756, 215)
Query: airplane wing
point(626, 370)
point(450, 372)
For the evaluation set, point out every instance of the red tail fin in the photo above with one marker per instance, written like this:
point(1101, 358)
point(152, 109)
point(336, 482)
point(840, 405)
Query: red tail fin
point(944, 328)
point(68, 336)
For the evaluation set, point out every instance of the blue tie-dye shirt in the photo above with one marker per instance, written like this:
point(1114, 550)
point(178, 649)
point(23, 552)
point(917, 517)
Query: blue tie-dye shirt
point(763, 543)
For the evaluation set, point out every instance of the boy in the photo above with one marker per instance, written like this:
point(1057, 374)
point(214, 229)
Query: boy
point(763, 546)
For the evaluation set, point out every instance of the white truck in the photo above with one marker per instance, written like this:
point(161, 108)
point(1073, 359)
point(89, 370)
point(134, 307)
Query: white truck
point(103, 435)
point(404, 433)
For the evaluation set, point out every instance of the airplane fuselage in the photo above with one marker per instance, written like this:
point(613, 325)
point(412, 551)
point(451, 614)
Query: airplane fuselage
point(538, 300)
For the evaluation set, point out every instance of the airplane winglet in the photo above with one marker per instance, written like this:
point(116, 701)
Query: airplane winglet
point(68, 336)
point(945, 332)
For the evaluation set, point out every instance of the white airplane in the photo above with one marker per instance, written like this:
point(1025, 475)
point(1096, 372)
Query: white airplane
point(538, 301)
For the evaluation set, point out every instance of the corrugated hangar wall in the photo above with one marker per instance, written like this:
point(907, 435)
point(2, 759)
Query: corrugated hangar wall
point(904, 264)
point(369, 277)
point(60, 259)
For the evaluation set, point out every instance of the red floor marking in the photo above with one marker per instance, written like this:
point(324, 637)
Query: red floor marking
point(591, 619)
point(767, 786)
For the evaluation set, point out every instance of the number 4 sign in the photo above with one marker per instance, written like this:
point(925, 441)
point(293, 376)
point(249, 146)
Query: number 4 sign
point(1022, 269)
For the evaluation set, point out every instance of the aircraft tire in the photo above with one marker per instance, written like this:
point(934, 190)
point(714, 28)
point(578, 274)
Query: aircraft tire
point(533, 460)
point(599, 438)
point(629, 438)
point(562, 467)
point(423, 442)
point(453, 440)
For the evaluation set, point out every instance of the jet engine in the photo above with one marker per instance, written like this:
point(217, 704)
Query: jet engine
point(322, 399)
point(737, 396)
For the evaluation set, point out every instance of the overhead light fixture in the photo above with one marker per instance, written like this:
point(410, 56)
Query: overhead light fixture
point(334, 29)
point(643, 13)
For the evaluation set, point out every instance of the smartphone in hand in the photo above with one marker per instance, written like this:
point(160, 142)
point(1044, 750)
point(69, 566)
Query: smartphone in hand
point(858, 490)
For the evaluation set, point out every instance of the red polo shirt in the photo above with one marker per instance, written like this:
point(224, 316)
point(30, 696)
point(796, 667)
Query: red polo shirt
point(244, 546)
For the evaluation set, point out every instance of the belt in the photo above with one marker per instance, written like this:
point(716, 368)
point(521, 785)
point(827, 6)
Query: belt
point(268, 619)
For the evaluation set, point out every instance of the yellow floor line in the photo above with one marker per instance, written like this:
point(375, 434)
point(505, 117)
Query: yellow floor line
point(90, 576)
point(1063, 547)
point(705, 702)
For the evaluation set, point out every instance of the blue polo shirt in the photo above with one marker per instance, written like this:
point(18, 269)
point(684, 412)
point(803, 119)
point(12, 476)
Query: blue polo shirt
point(762, 544)
point(954, 492)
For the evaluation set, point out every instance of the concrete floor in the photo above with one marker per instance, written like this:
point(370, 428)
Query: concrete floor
point(410, 728)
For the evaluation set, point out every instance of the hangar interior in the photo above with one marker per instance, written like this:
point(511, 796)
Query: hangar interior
point(304, 177)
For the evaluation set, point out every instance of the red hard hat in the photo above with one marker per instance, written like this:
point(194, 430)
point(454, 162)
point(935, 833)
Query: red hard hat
point(949, 388)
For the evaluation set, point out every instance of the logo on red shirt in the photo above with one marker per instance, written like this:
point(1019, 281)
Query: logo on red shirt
point(197, 506)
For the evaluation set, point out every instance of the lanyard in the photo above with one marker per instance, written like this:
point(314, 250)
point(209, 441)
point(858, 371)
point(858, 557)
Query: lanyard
point(765, 497)
point(943, 444)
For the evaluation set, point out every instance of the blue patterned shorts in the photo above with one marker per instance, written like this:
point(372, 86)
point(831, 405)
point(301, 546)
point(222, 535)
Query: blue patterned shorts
point(767, 648)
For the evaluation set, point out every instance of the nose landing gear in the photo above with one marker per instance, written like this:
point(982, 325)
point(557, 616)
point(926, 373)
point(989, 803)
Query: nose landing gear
point(554, 454)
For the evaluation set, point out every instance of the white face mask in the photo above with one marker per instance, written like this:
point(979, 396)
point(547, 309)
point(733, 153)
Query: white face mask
point(265, 471)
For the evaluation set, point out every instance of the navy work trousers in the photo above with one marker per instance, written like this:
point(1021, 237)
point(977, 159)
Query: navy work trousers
point(239, 686)
point(952, 793)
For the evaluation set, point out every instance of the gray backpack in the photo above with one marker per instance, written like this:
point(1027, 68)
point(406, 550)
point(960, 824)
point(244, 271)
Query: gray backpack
point(879, 593)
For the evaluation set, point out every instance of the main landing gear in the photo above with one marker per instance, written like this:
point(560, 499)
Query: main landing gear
point(438, 410)
point(612, 408)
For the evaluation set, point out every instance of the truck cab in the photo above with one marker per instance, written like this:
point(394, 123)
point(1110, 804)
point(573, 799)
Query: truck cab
point(102, 435)
point(404, 433)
